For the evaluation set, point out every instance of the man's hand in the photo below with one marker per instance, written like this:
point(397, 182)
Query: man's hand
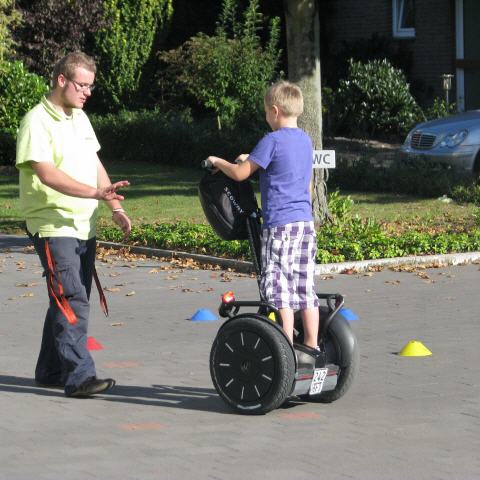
point(110, 192)
point(122, 220)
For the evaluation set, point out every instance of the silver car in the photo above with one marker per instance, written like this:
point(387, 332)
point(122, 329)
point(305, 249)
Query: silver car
point(453, 140)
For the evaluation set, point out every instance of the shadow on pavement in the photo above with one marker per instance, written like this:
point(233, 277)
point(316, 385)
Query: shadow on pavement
point(191, 398)
point(14, 242)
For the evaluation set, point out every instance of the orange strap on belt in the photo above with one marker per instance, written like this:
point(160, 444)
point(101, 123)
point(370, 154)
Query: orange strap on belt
point(103, 300)
point(59, 295)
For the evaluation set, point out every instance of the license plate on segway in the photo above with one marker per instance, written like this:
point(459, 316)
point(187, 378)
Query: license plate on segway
point(319, 376)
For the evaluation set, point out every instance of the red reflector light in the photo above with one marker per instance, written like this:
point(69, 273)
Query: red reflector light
point(228, 297)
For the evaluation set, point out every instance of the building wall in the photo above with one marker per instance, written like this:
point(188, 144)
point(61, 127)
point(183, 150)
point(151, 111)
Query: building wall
point(472, 54)
point(433, 48)
point(434, 44)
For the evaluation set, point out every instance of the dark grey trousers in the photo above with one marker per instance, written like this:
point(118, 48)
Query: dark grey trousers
point(64, 357)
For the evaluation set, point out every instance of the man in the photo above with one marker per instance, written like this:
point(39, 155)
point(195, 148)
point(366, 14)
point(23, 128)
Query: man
point(61, 181)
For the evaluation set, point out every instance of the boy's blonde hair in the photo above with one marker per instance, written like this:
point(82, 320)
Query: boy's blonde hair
point(287, 97)
point(69, 63)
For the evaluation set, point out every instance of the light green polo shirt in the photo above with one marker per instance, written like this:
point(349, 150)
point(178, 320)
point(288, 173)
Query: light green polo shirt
point(69, 143)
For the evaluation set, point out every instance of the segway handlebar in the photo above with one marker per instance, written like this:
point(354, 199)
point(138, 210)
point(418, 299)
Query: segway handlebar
point(207, 165)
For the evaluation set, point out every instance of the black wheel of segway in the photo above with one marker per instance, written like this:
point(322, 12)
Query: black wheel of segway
point(252, 365)
point(346, 373)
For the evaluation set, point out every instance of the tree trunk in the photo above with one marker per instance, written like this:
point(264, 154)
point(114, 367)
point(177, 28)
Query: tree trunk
point(303, 51)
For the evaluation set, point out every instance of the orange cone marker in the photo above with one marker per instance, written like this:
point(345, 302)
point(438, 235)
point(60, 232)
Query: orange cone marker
point(93, 344)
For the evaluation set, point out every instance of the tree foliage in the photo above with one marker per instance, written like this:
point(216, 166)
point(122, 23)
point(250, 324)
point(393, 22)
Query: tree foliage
point(9, 18)
point(50, 29)
point(20, 90)
point(228, 71)
point(125, 46)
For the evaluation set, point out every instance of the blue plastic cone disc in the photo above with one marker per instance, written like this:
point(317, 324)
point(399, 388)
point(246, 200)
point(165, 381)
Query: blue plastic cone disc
point(203, 315)
point(348, 314)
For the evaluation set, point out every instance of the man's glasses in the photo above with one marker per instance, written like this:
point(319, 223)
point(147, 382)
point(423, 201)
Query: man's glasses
point(81, 87)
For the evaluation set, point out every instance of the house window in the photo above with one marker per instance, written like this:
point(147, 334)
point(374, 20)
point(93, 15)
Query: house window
point(403, 18)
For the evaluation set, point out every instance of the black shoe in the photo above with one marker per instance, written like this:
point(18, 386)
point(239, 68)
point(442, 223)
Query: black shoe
point(91, 387)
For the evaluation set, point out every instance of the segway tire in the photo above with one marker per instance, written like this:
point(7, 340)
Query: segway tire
point(346, 373)
point(252, 365)
point(346, 376)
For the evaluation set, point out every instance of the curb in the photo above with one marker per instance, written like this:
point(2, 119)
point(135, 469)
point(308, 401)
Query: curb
point(239, 265)
point(321, 269)
point(17, 242)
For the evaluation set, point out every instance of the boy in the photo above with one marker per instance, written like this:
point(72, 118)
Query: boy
point(284, 160)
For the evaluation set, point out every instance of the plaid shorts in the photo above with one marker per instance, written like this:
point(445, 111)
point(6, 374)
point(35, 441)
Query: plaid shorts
point(288, 265)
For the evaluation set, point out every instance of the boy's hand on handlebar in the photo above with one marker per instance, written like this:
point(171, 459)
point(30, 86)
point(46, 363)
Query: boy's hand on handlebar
point(210, 163)
point(241, 158)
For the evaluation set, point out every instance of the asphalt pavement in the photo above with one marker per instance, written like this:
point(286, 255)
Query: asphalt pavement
point(404, 418)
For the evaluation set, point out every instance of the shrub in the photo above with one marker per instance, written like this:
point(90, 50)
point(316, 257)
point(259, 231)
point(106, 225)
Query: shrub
point(339, 207)
point(439, 109)
point(398, 176)
point(154, 136)
point(20, 90)
point(375, 100)
point(125, 46)
point(354, 240)
point(226, 73)
point(466, 193)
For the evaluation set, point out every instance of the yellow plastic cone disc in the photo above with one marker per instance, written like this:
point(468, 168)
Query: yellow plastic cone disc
point(414, 348)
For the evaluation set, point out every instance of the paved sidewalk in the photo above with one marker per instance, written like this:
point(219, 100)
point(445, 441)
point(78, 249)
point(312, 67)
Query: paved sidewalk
point(405, 417)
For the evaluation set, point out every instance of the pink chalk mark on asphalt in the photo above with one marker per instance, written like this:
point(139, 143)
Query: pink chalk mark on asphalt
point(125, 364)
point(142, 427)
point(299, 415)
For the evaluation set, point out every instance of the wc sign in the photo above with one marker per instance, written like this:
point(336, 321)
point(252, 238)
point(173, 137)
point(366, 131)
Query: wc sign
point(324, 159)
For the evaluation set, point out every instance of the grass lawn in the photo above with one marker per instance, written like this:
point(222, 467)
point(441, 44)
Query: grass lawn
point(167, 194)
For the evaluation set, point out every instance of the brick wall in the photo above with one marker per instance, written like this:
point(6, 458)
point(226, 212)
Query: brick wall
point(433, 47)
point(434, 44)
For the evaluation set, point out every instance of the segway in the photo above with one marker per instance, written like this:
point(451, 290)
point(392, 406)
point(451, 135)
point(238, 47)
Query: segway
point(253, 365)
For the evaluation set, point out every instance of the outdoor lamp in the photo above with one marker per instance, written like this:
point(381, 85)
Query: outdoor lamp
point(447, 84)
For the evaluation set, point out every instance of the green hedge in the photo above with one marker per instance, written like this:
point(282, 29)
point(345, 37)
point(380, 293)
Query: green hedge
point(419, 178)
point(353, 240)
point(153, 136)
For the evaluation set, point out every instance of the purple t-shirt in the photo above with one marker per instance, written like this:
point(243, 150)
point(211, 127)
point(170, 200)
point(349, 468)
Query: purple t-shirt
point(285, 161)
